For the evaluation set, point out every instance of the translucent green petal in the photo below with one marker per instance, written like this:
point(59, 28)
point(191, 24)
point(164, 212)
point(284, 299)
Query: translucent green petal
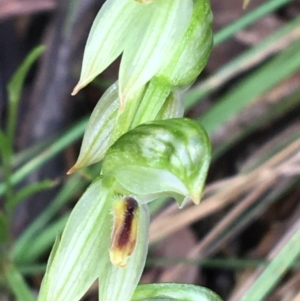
point(118, 284)
point(106, 39)
point(100, 126)
point(85, 241)
point(156, 29)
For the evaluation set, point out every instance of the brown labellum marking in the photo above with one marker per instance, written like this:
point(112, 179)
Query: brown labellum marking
point(124, 234)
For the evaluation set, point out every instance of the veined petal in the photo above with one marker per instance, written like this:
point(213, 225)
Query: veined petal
point(157, 28)
point(100, 126)
point(85, 241)
point(116, 283)
point(106, 39)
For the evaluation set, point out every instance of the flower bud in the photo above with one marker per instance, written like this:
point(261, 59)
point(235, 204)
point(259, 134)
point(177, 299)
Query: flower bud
point(161, 158)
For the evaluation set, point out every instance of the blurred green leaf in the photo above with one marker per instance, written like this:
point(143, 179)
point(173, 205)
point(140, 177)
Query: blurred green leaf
point(248, 19)
point(60, 144)
point(248, 59)
point(3, 230)
point(276, 269)
point(277, 110)
point(30, 190)
point(28, 237)
point(15, 87)
point(43, 241)
point(18, 285)
point(254, 85)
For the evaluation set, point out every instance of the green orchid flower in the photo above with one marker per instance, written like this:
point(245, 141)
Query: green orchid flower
point(106, 236)
point(107, 124)
point(158, 97)
point(145, 34)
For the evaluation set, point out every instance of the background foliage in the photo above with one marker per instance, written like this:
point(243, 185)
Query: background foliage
point(248, 98)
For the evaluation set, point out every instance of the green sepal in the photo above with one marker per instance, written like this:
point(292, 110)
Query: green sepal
point(173, 291)
point(45, 283)
point(192, 52)
point(146, 34)
point(161, 25)
point(75, 263)
point(105, 41)
point(100, 126)
point(160, 158)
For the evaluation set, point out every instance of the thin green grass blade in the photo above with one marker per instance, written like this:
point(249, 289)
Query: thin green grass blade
point(30, 190)
point(4, 237)
point(60, 144)
point(284, 141)
point(257, 83)
point(253, 213)
point(15, 87)
point(27, 154)
point(43, 241)
point(276, 269)
point(288, 32)
point(17, 284)
point(5, 155)
point(31, 152)
point(285, 106)
point(71, 187)
point(32, 269)
point(248, 19)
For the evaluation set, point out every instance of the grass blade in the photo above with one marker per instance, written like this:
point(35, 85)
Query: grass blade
point(275, 270)
point(17, 284)
point(257, 83)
